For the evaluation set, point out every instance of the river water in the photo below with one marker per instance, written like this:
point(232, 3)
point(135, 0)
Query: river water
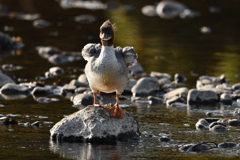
point(168, 46)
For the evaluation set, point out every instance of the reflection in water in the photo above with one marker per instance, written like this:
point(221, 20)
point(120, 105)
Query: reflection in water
point(88, 151)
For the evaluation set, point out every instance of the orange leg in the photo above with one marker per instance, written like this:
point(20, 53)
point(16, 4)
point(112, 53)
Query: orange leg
point(95, 103)
point(115, 111)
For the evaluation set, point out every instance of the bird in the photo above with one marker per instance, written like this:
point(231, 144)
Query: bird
point(107, 68)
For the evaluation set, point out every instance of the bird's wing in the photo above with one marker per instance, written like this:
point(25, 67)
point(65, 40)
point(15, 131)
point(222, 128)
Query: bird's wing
point(130, 56)
point(90, 50)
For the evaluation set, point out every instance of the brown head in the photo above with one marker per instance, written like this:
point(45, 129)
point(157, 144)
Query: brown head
point(107, 33)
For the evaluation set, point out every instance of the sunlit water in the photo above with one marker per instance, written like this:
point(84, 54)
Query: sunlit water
point(169, 46)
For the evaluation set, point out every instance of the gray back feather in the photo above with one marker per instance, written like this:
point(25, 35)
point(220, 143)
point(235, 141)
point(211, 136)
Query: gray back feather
point(90, 50)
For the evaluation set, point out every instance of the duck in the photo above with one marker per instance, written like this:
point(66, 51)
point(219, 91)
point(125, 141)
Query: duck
point(107, 68)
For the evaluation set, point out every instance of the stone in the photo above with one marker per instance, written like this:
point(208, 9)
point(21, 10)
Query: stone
point(236, 86)
point(174, 100)
point(169, 9)
point(234, 122)
point(77, 84)
point(164, 83)
point(227, 145)
point(149, 10)
point(155, 100)
point(145, 86)
point(83, 78)
point(202, 97)
point(202, 124)
point(189, 14)
point(68, 88)
point(160, 75)
point(8, 43)
point(83, 99)
point(4, 120)
point(56, 71)
point(40, 23)
point(36, 124)
point(179, 78)
point(14, 89)
point(47, 52)
point(226, 99)
point(94, 125)
point(40, 91)
point(4, 79)
point(179, 92)
point(61, 59)
point(178, 105)
point(128, 89)
point(85, 19)
point(164, 139)
point(194, 147)
point(235, 96)
point(136, 70)
point(218, 128)
point(81, 90)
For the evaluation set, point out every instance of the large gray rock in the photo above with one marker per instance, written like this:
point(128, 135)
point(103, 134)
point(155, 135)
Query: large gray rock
point(202, 97)
point(145, 86)
point(179, 92)
point(94, 124)
point(4, 79)
point(14, 91)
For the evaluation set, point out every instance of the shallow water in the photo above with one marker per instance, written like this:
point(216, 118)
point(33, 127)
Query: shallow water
point(169, 46)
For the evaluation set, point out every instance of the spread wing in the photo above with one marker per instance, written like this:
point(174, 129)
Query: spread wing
point(90, 50)
point(130, 56)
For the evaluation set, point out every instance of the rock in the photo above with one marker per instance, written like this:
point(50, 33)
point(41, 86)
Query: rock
point(32, 85)
point(155, 100)
point(94, 125)
point(40, 23)
point(82, 90)
point(145, 86)
point(43, 100)
point(10, 67)
point(85, 19)
point(36, 124)
point(56, 71)
point(127, 90)
point(178, 105)
point(234, 122)
point(8, 43)
point(179, 78)
point(174, 100)
point(160, 75)
point(83, 78)
point(4, 120)
point(202, 124)
point(169, 9)
point(4, 79)
point(136, 70)
point(77, 84)
point(226, 99)
point(40, 91)
point(217, 80)
point(68, 88)
point(227, 145)
point(194, 147)
point(149, 10)
point(47, 52)
point(179, 92)
point(165, 83)
point(60, 59)
point(217, 126)
point(164, 139)
point(202, 97)
point(14, 89)
point(83, 99)
point(236, 86)
point(205, 30)
point(189, 14)
point(235, 96)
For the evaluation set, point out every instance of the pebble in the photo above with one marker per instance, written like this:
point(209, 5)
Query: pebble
point(4, 79)
point(202, 124)
point(149, 10)
point(14, 89)
point(189, 14)
point(234, 122)
point(48, 51)
point(40, 23)
point(36, 124)
point(227, 145)
point(164, 139)
point(205, 30)
point(60, 59)
point(83, 78)
point(202, 97)
point(179, 78)
point(85, 19)
point(83, 99)
point(10, 67)
point(40, 91)
point(155, 100)
point(179, 92)
point(178, 105)
point(194, 148)
point(136, 70)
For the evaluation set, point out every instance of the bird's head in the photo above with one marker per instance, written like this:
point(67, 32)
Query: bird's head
point(106, 35)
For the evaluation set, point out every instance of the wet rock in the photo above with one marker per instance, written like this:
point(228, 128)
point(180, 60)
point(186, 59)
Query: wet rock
point(227, 145)
point(85, 19)
point(178, 105)
point(77, 84)
point(10, 67)
point(226, 99)
point(205, 30)
point(164, 139)
point(40, 23)
point(234, 122)
point(236, 86)
point(160, 75)
point(131, 83)
point(140, 100)
point(4, 120)
point(9, 43)
point(174, 99)
point(169, 9)
point(202, 97)
point(236, 112)
point(136, 70)
point(14, 89)
point(91, 5)
point(164, 84)
point(189, 14)
point(83, 99)
point(212, 114)
point(217, 126)
point(145, 86)
point(32, 85)
point(179, 78)
point(202, 124)
point(235, 96)
point(56, 71)
point(60, 59)
point(211, 120)
point(36, 124)
point(179, 92)
point(45, 99)
point(48, 51)
point(83, 78)
point(82, 90)
point(217, 80)
point(94, 125)
point(68, 88)
point(149, 135)
point(40, 91)
point(149, 10)
point(155, 100)
point(4, 79)
point(194, 148)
